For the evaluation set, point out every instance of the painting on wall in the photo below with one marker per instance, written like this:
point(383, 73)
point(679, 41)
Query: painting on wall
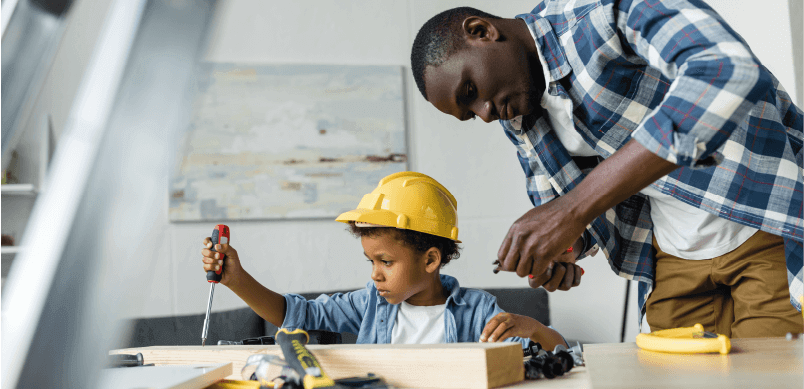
point(287, 141)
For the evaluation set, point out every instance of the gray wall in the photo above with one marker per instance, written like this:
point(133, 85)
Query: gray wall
point(474, 160)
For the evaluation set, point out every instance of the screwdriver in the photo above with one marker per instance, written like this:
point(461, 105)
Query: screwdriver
point(220, 235)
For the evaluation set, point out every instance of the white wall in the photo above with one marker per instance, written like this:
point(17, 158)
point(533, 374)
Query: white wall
point(474, 160)
point(766, 28)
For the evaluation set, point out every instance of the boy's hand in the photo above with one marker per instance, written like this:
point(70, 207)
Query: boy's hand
point(212, 261)
point(506, 325)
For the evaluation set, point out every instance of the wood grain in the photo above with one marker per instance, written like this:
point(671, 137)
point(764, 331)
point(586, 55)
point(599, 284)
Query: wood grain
point(454, 365)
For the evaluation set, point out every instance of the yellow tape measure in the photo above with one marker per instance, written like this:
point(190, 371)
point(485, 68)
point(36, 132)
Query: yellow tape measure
point(684, 340)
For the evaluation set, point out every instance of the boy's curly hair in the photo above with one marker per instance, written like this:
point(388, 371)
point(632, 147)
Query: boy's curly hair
point(418, 241)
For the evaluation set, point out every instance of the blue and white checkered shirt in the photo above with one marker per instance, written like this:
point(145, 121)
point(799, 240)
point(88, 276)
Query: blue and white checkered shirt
point(674, 76)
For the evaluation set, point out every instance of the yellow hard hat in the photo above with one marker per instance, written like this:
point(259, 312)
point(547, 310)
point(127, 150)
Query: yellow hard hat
point(411, 201)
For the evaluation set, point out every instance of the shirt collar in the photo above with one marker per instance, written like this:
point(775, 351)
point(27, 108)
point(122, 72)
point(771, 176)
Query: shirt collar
point(451, 284)
point(547, 42)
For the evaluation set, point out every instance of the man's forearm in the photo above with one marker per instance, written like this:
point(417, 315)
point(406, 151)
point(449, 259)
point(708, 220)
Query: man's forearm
point(265, 302)
point(625, 173)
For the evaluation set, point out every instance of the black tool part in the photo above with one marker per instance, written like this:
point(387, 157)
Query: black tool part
point(548, 364)
point(125, 360)
point(551, 367)
point(533, 350)
point(567, 362)
point(359, 382)
point(212, 276)
point(259, 340)
point(555, 364)
point(532, 370)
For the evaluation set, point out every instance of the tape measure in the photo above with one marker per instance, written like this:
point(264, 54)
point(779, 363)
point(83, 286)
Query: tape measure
point(685, 340)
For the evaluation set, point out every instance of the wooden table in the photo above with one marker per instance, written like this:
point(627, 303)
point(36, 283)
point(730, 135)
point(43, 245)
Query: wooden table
point(753, 363)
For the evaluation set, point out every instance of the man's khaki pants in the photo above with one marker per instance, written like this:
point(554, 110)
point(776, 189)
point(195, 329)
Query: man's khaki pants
point(742, 294)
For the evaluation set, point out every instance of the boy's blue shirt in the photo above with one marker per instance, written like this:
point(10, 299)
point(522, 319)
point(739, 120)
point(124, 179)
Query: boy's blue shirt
point(365, 313)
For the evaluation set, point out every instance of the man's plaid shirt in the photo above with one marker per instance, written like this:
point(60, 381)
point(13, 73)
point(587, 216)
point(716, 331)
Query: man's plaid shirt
point(672, 75)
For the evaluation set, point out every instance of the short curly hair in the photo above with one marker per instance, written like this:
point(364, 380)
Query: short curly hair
point(438, 39)
point(418, 241)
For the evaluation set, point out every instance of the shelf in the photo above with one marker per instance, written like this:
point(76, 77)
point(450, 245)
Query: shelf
point(18, 190)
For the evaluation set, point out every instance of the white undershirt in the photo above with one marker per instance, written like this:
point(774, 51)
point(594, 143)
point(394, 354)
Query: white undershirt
point(680, 229)
point(419, 324)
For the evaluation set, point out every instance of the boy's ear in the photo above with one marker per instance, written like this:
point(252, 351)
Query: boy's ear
point(479, 30)
point(432, 259)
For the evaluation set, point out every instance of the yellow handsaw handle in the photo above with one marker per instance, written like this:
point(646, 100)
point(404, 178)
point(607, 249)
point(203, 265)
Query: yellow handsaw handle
point(683, 340)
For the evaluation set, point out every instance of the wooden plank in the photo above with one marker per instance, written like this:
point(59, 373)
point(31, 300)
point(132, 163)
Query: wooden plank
point(454, 365)
point(164, 377)
point(752, 363)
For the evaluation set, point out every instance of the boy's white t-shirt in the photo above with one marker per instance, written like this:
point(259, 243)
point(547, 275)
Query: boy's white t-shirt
point(419, 324)
point(680, 229)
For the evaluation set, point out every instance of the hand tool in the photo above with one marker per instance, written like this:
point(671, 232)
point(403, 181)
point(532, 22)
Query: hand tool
point(546, 363)
point(302, 361)
point(684, 340)
point(220, 235)
point(126, 360)
point(248, 341)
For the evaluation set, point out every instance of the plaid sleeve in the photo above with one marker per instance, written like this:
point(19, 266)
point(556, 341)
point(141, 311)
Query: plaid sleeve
point(716, 78)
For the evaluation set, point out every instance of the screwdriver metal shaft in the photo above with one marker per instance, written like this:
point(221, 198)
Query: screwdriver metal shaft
point(206, 320)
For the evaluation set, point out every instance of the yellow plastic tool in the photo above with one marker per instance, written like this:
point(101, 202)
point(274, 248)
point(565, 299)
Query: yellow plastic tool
point(685, 340)
point(236, 384)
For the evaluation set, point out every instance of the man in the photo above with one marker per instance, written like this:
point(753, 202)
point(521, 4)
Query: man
point(650, 130)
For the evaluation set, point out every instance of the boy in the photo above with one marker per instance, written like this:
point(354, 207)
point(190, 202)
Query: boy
point(408, 229)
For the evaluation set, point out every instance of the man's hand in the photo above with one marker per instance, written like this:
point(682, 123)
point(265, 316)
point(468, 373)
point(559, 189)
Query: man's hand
point(562, 276)
point(539, 238)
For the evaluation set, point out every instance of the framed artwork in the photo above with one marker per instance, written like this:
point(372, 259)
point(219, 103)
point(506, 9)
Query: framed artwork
point(287, 141)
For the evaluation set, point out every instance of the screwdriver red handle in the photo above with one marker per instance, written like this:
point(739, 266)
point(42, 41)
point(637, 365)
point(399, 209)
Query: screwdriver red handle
point(220, 235)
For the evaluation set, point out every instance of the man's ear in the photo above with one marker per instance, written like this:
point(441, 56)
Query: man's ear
point(432, 259)
point(479, 29)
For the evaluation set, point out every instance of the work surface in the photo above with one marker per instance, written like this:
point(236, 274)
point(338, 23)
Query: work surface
point(752, 363)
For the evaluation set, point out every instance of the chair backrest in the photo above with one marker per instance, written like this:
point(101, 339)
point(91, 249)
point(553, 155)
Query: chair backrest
point(524, 301)
point(235, 325)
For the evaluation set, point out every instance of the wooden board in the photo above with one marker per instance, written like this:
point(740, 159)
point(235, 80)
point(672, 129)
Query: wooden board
point(164, 377)
point(454, 365)
point(752, 363)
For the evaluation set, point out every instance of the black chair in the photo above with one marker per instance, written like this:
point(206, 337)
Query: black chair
point(243, 323)
point(235, 324)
